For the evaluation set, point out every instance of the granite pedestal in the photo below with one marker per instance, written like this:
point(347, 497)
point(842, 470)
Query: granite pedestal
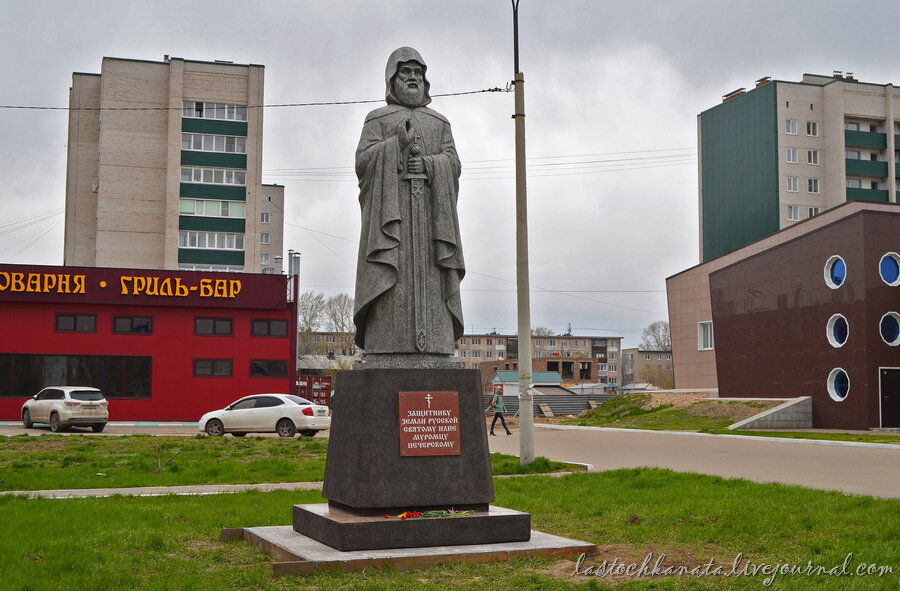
point(366, 477)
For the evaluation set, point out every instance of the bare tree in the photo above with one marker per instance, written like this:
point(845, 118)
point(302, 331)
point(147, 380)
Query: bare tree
point(541, 331)
point(311, 310)
point(339, 313)
point(657, 337)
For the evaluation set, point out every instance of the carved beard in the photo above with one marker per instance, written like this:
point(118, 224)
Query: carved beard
point(409, 97)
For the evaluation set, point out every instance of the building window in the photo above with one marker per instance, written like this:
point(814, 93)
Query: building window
point(853, 183)
point(204, 368)
point(205, 142)
point(264, 217)
point(792, 155)
point(790, 126)
point(812, 157)
point(837, 330)
point(213, 176)
point(835, 272)
point(212, 208)
point(793, 213)
point(463, 354)
point(812, 129)
point(890, 328)
point(211, 240)
point(265, 368)
point(76, 323)
point(813, 212)
point(264, 258)
point(133, 324)
point(273, 328)
point(793, 184)
point(889, 269)
point(116, 376)
point(489, 354)
point(850, 126)
point(704, 336)
point(209, 110)
point(499, 354)
point(812, 186)
point(551, 342)
point(476, 341)
point(838, 384)
point(476, 354)
point(462, 341)
point(613, 356)
point(263, 237)
point(213, 326)
point(851, 154)
point(537, 342)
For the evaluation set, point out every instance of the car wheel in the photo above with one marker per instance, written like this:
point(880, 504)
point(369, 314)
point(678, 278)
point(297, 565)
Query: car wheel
point(98, 428)
point(26, 419)
point(285, 428)
point(54, 423)
point(241, 434)
point(308, 433)
point(215, 428)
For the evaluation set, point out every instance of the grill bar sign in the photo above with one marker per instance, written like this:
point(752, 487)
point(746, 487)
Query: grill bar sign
point(429, 424)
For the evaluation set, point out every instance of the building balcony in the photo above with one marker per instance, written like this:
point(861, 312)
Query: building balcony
point(867, 195)
point(866, 168)
point(865, 139)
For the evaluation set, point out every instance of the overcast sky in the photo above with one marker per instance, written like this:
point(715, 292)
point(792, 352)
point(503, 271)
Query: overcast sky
point(612, 94)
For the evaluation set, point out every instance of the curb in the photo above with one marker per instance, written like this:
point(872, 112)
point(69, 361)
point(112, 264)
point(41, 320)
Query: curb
point(743, 437)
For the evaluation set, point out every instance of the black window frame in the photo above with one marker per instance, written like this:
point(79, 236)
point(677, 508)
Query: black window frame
point(268, 323)
point(267, 365)
point(75, 318)
point(213, 362)
point(215, 320)
point(132, 321)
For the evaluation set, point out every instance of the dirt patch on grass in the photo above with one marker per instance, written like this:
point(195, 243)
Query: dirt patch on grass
point(734, 410)
point(679, 400)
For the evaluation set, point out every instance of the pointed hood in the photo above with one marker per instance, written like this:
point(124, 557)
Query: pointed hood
point(403, 54)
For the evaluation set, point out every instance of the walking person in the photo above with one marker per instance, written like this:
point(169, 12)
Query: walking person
point(498, 408)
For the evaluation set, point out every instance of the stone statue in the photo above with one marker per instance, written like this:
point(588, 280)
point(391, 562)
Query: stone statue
point(410, 258)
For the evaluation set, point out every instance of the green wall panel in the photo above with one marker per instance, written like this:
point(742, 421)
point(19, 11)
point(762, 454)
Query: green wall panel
point(226, 192)
point(214, 126)
point(219, 159)
point(867, 195)
point(865, 139)
point(197, 222)
point(866, 168)
point(210, 257)
point(739, 151)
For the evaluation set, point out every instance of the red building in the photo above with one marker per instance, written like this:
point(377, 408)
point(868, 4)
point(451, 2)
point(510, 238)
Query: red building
point(161, 345)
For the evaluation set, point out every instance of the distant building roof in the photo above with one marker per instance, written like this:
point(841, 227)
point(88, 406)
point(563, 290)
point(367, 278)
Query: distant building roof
point(546, 378)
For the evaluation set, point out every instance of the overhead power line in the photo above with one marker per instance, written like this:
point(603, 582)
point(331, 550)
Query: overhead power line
point(271, 106)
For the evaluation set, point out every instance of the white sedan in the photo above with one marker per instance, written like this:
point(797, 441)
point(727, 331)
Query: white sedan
point(267, 413)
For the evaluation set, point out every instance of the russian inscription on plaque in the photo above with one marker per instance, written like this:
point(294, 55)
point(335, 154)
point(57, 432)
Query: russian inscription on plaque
point(429, 424)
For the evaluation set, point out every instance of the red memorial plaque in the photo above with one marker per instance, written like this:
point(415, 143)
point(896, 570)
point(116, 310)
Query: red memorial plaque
point(429, 424)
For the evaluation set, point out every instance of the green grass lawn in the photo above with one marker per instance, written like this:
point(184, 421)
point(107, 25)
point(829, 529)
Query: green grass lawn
point(173, 542)
point(626, 411)
point(88, 461)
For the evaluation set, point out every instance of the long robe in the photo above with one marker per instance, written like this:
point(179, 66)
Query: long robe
point(385, 296)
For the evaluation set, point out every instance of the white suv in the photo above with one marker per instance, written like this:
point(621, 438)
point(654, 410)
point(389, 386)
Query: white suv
point(65, 406)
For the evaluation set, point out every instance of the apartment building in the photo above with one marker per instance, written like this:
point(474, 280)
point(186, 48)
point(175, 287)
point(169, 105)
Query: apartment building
point(164, 168)
point(643, 366)
point(474, 350)
point(786, 151)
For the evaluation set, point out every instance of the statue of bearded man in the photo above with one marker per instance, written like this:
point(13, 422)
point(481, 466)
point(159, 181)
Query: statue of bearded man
point(410, 259)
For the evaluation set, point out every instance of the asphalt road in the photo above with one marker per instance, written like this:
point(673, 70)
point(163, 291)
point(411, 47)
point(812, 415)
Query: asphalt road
point(856, 469)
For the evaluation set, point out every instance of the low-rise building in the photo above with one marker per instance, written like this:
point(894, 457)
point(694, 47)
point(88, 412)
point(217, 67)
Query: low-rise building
point(654, 367)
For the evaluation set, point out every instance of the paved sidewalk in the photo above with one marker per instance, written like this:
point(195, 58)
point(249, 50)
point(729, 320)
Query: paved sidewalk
point(156, 491)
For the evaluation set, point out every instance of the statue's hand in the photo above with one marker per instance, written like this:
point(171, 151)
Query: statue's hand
point(415, 165)
point(404, 133)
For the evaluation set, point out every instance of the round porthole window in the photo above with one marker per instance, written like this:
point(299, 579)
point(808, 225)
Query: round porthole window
point(838, 330)
point(838, 384)
point(835, 272)
point(890, 328)
point(889, 269)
